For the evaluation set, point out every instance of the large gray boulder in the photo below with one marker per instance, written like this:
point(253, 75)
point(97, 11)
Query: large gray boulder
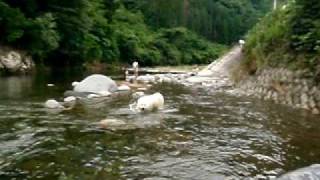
point(15, 61)
point(96, 83)
point(307, 173)
point(12, 60)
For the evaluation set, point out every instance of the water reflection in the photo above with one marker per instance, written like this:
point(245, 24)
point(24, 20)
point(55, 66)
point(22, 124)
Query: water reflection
point(15, 87)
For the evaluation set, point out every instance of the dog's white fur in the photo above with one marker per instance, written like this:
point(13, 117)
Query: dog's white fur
point(150, 102)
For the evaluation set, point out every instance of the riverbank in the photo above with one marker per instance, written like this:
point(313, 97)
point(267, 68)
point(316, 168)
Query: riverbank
point(292, 88)
point(282, 57)
point(296, 89)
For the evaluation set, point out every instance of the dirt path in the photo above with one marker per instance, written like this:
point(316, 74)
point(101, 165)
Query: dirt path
point(219, 71)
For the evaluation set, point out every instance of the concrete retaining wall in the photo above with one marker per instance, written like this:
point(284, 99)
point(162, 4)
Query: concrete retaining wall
point(283, 86)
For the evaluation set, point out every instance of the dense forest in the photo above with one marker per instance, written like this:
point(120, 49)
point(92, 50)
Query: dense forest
point(218, 20)
point(155, 32)
point(288, 37)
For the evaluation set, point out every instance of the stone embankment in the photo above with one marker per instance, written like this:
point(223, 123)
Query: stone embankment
point(283, 86)
point(14, 61)
point(293, 88)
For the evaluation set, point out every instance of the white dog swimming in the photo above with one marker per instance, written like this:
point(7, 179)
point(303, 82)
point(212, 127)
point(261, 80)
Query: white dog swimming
point(149, 103)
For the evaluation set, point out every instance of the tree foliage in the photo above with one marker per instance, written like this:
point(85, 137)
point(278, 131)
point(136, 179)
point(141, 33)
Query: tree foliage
point(305, 26)
point(154, 32)
point(223, 21)
point(287, 37)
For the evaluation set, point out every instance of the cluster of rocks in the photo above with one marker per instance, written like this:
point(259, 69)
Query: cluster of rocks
point(163, 78)
point(191, 79)
point(215, 74)
point(94, 86)
point(13, 61)
point(99, 88)
point(283, 86)
point(212, 82)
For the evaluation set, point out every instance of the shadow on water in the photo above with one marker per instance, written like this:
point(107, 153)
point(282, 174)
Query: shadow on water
point(199, 135)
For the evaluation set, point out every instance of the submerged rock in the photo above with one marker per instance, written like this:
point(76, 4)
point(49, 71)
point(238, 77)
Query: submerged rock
point(146, 79)
point(53, 104)
point(93, 96)
point(69, 99)
point(124, 88)
point(106, 123)
point(95, 84)
point(115, 124)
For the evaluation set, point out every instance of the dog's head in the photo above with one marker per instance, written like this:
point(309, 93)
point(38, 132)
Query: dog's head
point(142, 107)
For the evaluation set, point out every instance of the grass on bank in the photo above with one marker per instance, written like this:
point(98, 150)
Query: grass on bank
point(288, 37)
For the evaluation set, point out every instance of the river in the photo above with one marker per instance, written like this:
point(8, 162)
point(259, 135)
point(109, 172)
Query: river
point(201, 134)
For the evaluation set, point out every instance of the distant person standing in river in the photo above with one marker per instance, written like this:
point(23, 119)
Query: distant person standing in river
point(135, 66)
point(241, 43)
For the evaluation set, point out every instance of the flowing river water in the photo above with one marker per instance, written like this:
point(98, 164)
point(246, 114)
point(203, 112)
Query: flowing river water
point(201, 134)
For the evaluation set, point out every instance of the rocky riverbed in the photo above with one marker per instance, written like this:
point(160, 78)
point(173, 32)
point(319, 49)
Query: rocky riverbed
point(214, 76)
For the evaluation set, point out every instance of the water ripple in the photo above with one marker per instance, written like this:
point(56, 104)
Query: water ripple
point(199, 135)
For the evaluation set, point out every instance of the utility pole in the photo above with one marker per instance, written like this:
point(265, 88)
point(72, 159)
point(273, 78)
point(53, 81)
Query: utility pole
point(275, 4)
